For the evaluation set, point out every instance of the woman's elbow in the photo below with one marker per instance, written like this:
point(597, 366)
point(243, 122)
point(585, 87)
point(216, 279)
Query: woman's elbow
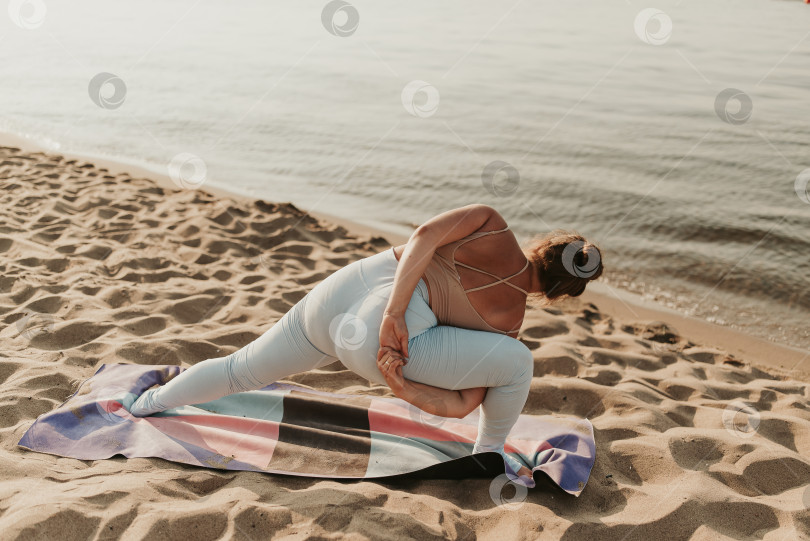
point(464, 411)
point(424, 231)
point(470, 400)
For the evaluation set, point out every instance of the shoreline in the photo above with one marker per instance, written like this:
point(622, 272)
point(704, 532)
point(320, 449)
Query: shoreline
point(622, 305)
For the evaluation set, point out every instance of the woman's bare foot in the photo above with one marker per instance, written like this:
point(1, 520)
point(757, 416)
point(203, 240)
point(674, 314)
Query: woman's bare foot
point(525, 472)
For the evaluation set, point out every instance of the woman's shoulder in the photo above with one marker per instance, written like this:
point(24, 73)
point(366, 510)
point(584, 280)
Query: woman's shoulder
point(495, 222)
point(495, 227)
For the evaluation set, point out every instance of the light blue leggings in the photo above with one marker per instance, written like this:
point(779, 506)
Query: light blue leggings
point(340, 319)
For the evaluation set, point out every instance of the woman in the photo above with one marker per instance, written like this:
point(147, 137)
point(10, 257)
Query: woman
point(436, 319)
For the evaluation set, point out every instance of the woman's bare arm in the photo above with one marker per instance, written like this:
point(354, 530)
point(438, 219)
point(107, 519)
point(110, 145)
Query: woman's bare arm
point(438, 231)
point(433, 400)
point(442, 402)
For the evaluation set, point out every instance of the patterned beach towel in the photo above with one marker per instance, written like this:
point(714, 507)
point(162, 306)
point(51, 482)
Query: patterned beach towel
point(293, 430)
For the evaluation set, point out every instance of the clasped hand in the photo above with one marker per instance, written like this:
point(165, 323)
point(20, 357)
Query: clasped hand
point(393, 352)
point(390, 365)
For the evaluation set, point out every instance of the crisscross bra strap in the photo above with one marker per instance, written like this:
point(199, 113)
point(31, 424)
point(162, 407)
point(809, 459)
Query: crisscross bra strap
point(500, 280)
point(478, 234)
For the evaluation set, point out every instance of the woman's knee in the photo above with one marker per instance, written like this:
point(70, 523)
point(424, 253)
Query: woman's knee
point(520, 360)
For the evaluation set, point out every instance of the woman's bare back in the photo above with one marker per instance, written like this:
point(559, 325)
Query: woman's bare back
point(501, 306)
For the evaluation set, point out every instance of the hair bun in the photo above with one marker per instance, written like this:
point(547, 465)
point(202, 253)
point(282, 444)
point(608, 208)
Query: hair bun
point(587, 252)
point(565, 263)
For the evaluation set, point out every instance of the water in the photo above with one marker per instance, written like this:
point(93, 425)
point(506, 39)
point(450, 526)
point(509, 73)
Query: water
point(611, 136)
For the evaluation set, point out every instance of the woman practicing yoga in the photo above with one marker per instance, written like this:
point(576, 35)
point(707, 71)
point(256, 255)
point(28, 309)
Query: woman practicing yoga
point(436, 319)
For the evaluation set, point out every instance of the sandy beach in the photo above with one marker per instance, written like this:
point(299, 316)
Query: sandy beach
point(701, 432)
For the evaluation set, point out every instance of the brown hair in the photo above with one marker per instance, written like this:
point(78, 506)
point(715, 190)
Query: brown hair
point(565, 263)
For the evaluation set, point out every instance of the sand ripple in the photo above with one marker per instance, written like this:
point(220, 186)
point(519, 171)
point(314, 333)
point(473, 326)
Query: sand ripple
point(692, 443)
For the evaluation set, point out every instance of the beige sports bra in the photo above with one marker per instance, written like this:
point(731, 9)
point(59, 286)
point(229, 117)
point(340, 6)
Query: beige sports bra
point(448, 298)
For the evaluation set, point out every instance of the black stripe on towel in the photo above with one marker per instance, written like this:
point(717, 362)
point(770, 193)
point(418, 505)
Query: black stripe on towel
point(318, 435)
